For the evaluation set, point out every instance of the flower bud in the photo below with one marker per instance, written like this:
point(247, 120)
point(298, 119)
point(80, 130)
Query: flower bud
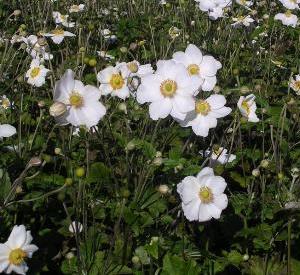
point(57, 109)
point(135, 260)
point(157, 161)
point(35, 161)
point(17, 12)
point(70, 255)
point(41, 103)
point(246, 257)
point(122, 107)
point(163, 189)
point(255, 172)
point(57, 151)
point(130, 145)
point(264, 163)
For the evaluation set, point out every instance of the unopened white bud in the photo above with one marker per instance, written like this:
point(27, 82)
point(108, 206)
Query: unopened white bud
point(57, 109)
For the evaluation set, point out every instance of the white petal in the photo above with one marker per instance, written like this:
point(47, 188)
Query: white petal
point(207, 171)
point(64, 86)
point(217, 184)
point(191, 210)
point(3, 265)
point(194, 54)
point(7, 130)
point(209, 83)
point(214, 211)
point(204, 214)
point(17, 237)
point(188, 189)
point(216, 101)
point(160, 109)
point(30, 249)
point(221, 201)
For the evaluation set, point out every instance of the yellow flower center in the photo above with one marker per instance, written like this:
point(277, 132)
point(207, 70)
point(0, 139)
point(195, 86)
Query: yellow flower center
point(168, 88)
point(202, 107)
point(193, 69)
point(35, 72)
point(246, 107)
point(133, 67)
point(58, 32)
point(296, 85)
point(116, 81)
point(76, 100)
point(288, 13)
point(17, 256)
point(206, 195)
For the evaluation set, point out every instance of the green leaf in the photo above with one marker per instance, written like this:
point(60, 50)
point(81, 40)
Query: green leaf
point(174, 265)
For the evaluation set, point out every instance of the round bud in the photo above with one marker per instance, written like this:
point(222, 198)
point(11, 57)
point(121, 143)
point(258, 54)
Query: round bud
point(246, 257)
point(255, 172)
point(157, 161)
point(80, 172)
point(264, 163)
point(163, 189)
point(123, 50)
point(70, 255)
point(280, 176)
point(35, 161)
point(130, 145)
point(244, 90)
point(57, 109)
point(122, 107)
point(57, 151)
point(16, 12)
point(86, 60)
point(92, 62)
point(135, 260)
point(41, 103)
point(68, 181)
point(235, 72)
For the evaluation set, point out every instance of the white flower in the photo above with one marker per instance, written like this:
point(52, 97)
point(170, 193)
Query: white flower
point(170, 91)
point(83, 106)
point(203, 196)
point(215, 8)
point(113, 81)
point(204, 67)
point(290, 4)
point(36, 47)
point(287, 18)
point(245, 3)
point(205, 114)
point(76, 8)
point(295, 84)
point(36, 74)
point(216, 13)
point(7, 130)
point(14, 252)
point(62, 19)
point(75, 227)
point(219, 155)
point(242, 20)
point(247, 107)
point(58, 35)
